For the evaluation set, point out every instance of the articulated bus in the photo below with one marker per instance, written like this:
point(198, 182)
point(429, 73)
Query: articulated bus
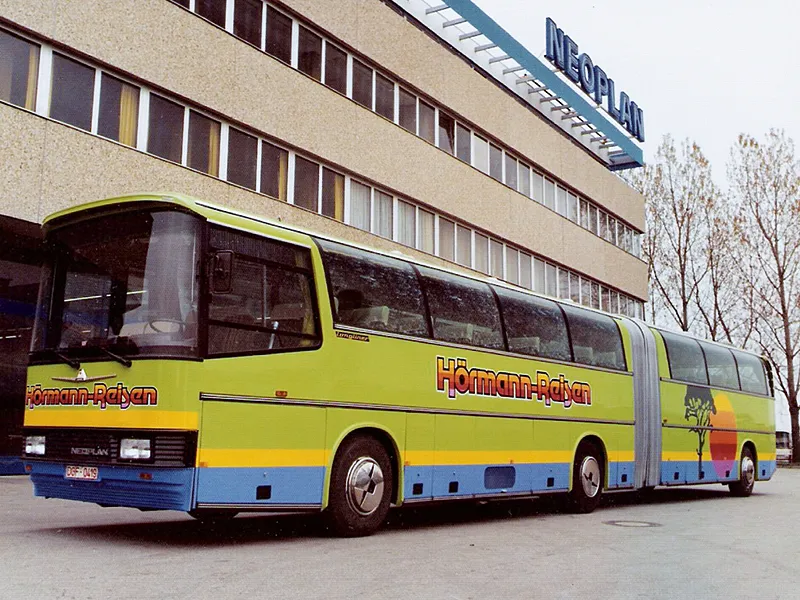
point(192, 358)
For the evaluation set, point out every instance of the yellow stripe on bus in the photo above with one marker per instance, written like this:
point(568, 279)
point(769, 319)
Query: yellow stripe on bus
point(257, 457)
point(133, 419)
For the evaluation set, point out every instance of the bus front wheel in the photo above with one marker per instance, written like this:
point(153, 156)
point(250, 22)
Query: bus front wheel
point(587, 479)
point(747, 475)
point(361, 488)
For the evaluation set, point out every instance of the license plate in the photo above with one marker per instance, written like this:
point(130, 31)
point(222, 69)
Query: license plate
point(86, 473)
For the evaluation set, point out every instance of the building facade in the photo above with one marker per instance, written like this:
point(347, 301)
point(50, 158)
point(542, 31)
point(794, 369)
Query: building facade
point(352, 118)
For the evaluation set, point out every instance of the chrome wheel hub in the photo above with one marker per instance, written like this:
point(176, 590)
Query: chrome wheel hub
point(590, 476)
point(748, 471)
point(365, 485)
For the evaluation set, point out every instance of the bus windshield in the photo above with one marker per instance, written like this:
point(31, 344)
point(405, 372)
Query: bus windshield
point(126, 284)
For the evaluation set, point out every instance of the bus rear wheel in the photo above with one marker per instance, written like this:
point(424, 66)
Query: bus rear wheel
point(587, 479)
point(747, 475)
point(361, 488)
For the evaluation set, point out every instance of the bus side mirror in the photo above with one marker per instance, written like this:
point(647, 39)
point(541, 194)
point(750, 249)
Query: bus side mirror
point(221, 270)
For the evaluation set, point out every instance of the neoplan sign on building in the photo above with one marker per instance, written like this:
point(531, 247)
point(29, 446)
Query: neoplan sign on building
point(562, 51)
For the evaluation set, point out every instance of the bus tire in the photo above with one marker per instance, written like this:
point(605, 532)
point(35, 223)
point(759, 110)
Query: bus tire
point(361, 488)
point(747, 475)
point(588, 474)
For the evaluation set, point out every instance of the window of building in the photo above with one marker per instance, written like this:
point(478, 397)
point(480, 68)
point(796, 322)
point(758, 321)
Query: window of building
point(623, 304)
point(279, 35)
point(563, 284)
point(586, 292)
point(575, 288)
point(427, 231)
point(213, 10)
point(496, 256)
point(549, 194)
point(383, 215)
point(495, 162)
point(165, 132)
point(447, 239)
point(534, 326)
point(538, 276)
point(183, 3)
point(119, 111)
point(463, 143)
point(362, 84)
point(463, 246)
point(360, 213)
point(596, 339)
point(203, 144)
point(595, 295)
point(584, 214)
point(309, 56)
point(685, 358)
point(537, 187)
point(481, 253)
point(408, 111)
point(72, 95)
point(247, 21)
point(572, 207)
point(19, 71)
point(551, 279)
point(605, 299)
point(335, 68)
point(427, 122)
point(274, 171)
point(525, 179)
point(512, 265)
point(511, 172)
point(620, 234)
point(603, 226)
point(561, 201)
point(481, 157)
point(593, 219)
point(612, 230)
point(384, 96)
point(721, 366)
point(462, 311)
point(446, 132)
point(306, 183)
point(525, 277)
point(270, 307)
point(242, 158)
point(332, 194)
point(751, 373)
point(373, 291)
point(406, 223)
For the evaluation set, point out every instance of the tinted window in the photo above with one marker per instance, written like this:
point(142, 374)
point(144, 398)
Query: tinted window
point(596, 339)
point(247, 20)
point(751, 373)
point(362, 84)
point(534, 325)
point(242, 158)
point(73, 92)
point(279, 35)
point(270, 305)
point(310, 54)
point(685, 358)
point(165, 137)
point(373, 291)
point(213, 10)
point(462, 311)
point(721, 366)
point(119, 111)
point(19, 67)
point(335, 68)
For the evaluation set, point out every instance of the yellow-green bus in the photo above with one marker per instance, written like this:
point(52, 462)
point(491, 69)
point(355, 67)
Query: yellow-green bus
point(192, 358)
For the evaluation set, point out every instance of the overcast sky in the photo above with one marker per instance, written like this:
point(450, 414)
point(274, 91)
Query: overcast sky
point(704, 70)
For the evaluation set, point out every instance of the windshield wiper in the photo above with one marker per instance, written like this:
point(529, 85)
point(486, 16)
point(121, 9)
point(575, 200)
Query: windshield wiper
point(70, 361)
point(120, 359)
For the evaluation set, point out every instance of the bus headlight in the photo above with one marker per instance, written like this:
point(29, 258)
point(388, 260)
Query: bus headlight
point(34, 445)
point(133, 449)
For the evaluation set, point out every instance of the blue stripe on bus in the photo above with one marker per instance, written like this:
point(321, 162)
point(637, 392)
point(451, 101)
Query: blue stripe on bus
point(678, 472)
point(11, 465)
point(440, 481)
point(117, 486)
point(239, 485)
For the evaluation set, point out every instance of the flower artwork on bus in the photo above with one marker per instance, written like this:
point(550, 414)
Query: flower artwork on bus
point(215, 362)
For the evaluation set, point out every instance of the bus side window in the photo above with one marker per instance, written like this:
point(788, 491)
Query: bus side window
point(462, 311)
point(721, 366)
point(751, 373)
point(596, 339)
point(373, 291)
point(534, 326)
point(270, 304)
point(685, 359)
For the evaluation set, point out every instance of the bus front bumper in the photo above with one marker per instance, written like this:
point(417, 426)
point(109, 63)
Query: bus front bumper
point(135, 486)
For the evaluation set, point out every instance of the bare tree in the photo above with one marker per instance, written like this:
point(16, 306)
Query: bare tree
point(677, 187)
point(765, 182)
